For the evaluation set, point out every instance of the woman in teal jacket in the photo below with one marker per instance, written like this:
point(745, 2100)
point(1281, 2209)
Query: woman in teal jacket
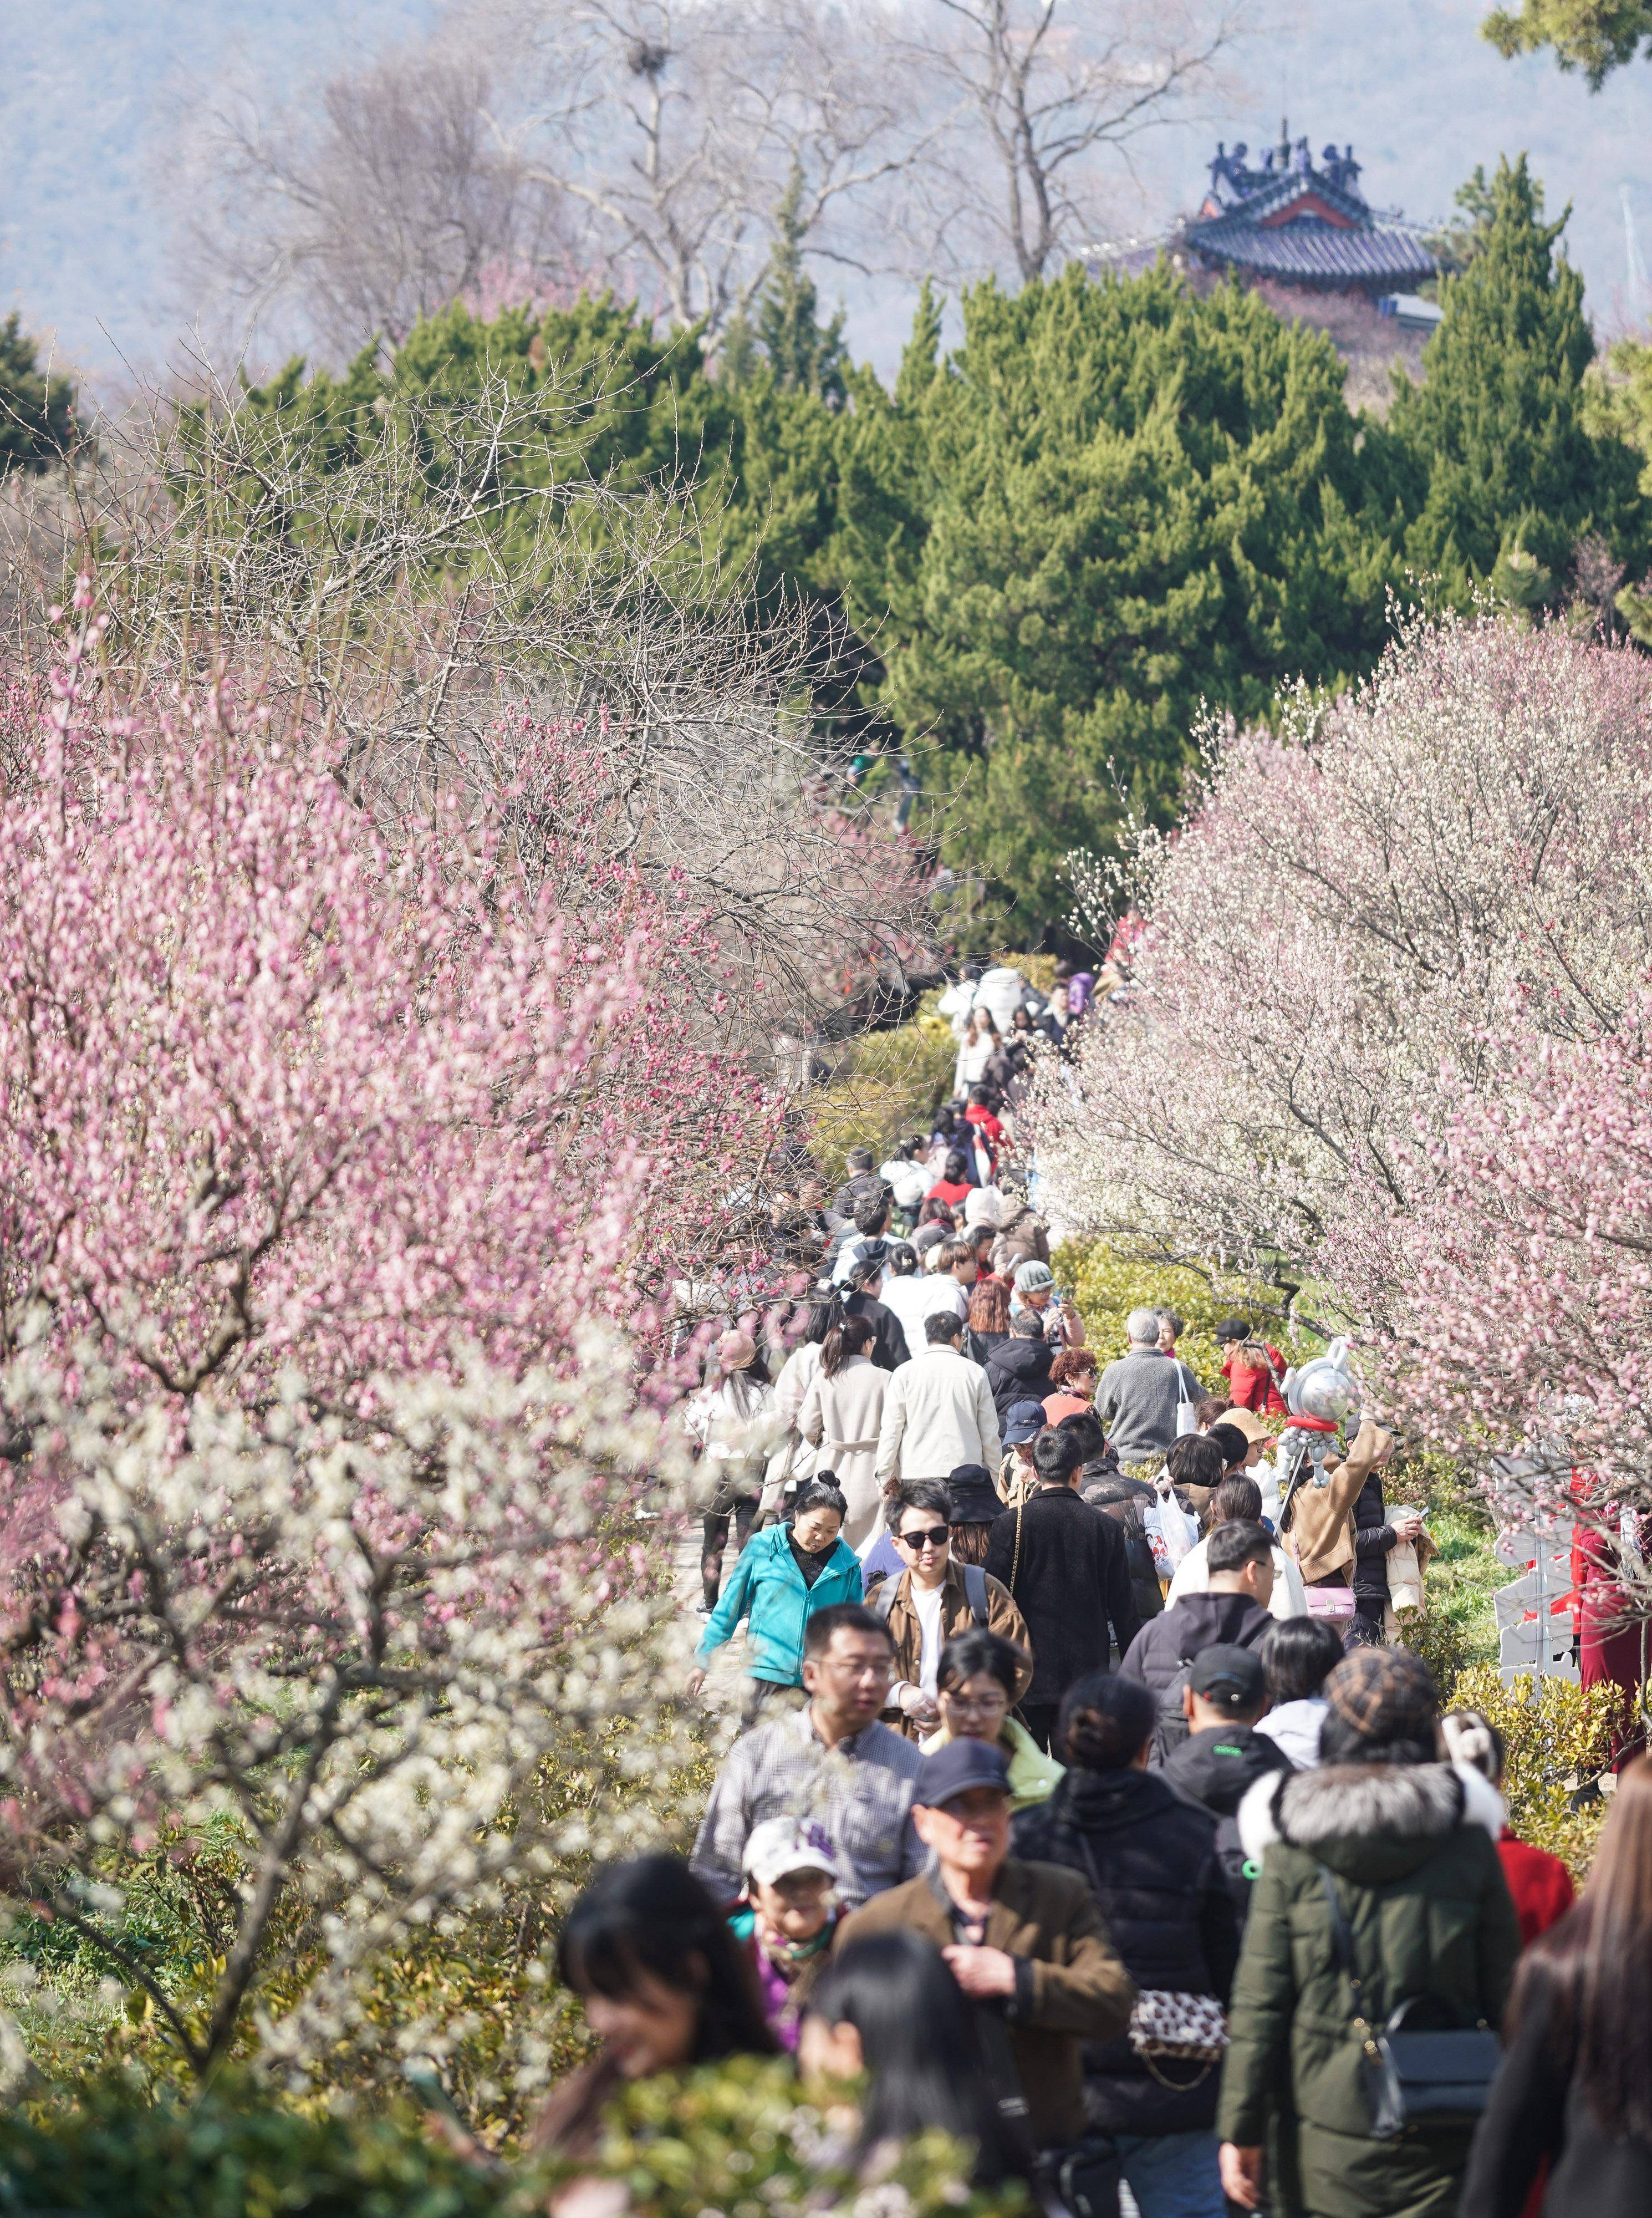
point(781, 1577)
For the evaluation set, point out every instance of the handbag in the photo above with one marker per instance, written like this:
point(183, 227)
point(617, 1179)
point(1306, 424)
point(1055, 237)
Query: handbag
point(1187, 1409)
point(1169, 2023)
point(1329, 1601)
point(1414, 2078)
point(1181, 2028)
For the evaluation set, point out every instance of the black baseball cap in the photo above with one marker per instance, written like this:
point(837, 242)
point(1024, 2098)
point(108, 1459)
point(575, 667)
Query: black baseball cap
point(961, 1764)
point(1228, 1675)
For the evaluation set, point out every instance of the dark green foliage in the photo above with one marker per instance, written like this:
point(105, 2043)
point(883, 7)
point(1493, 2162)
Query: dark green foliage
point(1595, 36)
point(1494, 465)
point(801, 353)
point(1042, 556)
point(109, 2150)
point(38, 425)
point(1114, 501)
point(596, 395)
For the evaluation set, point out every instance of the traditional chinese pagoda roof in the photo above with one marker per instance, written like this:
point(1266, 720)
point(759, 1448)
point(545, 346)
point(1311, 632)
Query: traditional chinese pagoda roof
point(1301, 225)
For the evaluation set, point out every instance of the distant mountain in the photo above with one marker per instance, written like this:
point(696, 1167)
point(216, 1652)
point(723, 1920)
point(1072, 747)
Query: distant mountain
point(89, 90)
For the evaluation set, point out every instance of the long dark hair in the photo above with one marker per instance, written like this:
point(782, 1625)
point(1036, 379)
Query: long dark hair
point(852, 1337)
point(1592, 1968)
point(650, 1918)
point(887, 1985)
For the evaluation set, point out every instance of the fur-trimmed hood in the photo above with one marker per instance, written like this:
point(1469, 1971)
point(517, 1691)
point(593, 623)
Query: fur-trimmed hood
point(1370, 1822)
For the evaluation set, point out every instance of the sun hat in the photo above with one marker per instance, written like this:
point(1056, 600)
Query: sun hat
point(1243, 1421)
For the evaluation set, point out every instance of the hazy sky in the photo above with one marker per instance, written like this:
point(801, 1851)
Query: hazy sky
point(88, 106)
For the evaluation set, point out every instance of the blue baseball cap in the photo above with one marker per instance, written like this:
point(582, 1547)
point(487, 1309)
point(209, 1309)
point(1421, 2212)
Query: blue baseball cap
point(961, 1764)
point(1025, 1421)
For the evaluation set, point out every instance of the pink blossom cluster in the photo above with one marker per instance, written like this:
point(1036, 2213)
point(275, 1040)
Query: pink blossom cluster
point(339, 1166)
point(1509, 1306)
point(275, 1088)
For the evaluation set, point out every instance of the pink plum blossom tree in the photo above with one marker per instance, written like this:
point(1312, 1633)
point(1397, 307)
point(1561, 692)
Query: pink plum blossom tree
point(331, 1167)
point(275, 1091)
point(1348, 911)
point(1508, 1307)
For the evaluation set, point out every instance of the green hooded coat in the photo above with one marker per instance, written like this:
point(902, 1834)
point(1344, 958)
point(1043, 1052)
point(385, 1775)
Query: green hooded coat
point(1412, 1851)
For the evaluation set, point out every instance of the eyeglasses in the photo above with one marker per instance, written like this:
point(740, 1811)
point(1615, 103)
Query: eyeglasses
point(935, 1535)
point(978, 1706)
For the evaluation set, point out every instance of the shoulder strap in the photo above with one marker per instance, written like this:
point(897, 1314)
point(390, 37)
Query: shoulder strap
point(974, 1587)
point(1020, 1509)
point(881, 1600)
point(1345, 1948)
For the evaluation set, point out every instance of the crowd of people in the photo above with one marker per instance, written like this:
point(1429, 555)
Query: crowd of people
point(1086, 1807)
point(1109, 1970)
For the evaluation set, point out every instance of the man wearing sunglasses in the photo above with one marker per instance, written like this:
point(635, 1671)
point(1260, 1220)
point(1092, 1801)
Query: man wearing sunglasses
point(933, 1598)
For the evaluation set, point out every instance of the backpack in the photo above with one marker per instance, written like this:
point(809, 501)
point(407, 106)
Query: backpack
point(881, 1598)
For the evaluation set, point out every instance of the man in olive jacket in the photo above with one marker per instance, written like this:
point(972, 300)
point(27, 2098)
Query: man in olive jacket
point(1024, 1941)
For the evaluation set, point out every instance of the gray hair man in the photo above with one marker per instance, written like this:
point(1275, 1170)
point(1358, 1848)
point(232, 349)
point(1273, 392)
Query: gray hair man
point(1139, 1397)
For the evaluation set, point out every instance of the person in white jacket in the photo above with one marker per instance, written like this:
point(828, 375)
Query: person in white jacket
point(938, 1411)
point(841, 1418)
point(1240, 1498)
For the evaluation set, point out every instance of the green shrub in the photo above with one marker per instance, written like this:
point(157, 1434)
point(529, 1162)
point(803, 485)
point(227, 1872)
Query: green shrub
point(1556, 1736)
point(886, 1086)
point(1110, 1284)
point(107, 2147)
point(735, 2137)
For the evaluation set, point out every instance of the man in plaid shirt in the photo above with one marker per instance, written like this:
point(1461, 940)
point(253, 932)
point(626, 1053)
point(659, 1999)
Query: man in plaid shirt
point(831, 1761)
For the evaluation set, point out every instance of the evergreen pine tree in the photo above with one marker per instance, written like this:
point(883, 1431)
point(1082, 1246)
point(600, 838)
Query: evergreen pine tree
point(805, 355)
point(1500, 470)
point(37, 411)
point(1115, 501)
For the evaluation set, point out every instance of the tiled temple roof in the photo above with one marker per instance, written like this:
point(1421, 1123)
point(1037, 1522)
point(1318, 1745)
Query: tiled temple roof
point(1303, 224)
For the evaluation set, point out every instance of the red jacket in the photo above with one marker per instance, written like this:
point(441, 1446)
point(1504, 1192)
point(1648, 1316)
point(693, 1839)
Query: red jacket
point(951, 1195)
point(1255, 1390)
point(1540, 1884)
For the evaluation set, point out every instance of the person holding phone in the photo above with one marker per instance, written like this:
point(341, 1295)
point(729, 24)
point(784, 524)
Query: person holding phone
point(1035, 1289)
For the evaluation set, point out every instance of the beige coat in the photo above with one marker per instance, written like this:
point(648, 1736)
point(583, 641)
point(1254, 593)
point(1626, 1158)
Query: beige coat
point(1321, 1531)
point(842, 1417)
point(938, 1414)
point(793, 1459)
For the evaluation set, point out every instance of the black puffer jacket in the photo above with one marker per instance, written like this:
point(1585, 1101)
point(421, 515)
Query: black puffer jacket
point(1162, 1650)
point(1152, 1866)
point(1373, 1538)
point(1017, 1370)
point(1217, 1767)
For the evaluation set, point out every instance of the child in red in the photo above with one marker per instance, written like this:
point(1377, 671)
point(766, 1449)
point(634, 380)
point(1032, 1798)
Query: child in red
point(1540, 1884)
